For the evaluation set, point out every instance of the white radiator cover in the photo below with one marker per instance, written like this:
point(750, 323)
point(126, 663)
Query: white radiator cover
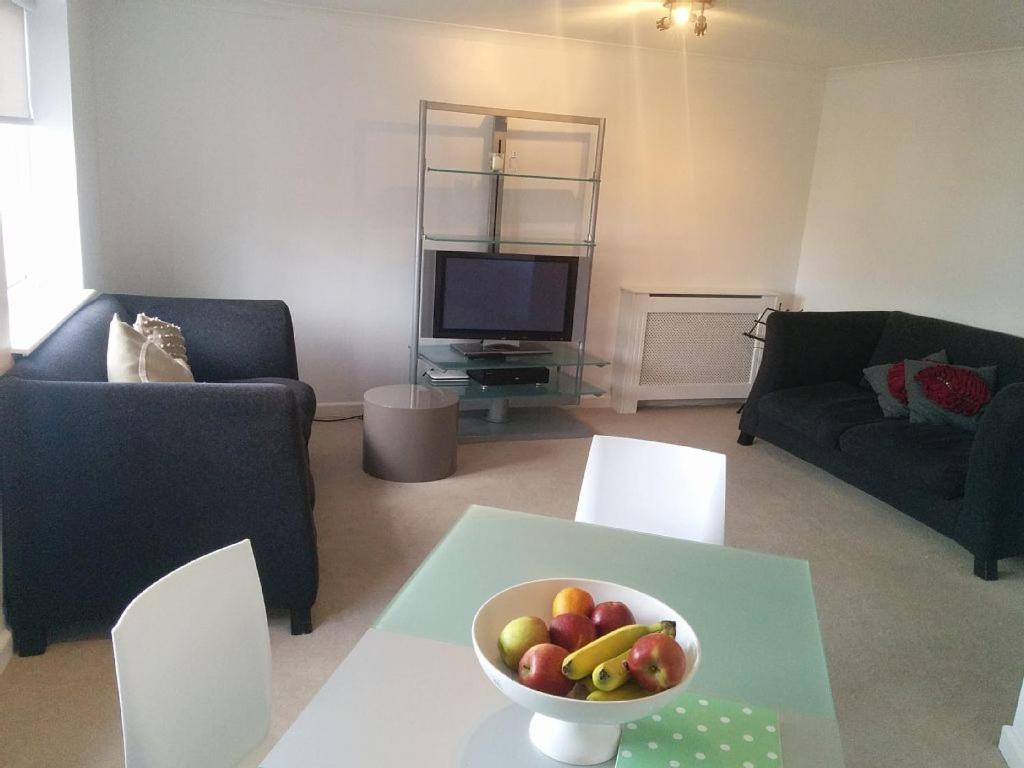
point(685, 345)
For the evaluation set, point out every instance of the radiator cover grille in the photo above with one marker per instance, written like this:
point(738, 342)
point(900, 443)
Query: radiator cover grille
point(697, 348)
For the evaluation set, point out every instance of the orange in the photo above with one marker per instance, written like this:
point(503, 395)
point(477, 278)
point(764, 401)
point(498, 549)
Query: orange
point(572, 600)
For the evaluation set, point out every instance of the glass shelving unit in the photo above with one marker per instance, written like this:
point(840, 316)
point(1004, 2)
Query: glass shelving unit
point(560, 388)
point(508, 175)
point(517, 411)
point(435, 238)
point(563, 355)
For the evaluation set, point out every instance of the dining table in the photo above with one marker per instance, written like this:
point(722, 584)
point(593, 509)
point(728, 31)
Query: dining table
point(411, 693)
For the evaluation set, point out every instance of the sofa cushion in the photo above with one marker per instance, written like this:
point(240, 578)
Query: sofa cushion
point(304, 395)
point(165, 335)
point(135, 358)
point(889, 381)
point(931, 456)
point(77, 351)
point(912, 337)
point(948, 394)
point(821, 412)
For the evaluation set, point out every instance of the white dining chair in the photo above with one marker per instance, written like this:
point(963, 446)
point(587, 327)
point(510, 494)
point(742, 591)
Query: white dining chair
point(669, 490)
point(192, 653)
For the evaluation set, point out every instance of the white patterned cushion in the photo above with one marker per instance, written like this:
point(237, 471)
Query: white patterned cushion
point(132, 358)
point(165, 335)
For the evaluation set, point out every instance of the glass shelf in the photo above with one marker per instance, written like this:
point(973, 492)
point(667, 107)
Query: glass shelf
point(562, 354)
point(560, 386)
point(509, 175)
point(434, 238)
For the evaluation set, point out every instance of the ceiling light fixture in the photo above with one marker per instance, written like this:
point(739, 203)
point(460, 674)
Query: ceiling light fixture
point(683, 13)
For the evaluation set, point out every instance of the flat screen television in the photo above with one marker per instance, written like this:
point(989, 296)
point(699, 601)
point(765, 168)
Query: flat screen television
point(504, 296)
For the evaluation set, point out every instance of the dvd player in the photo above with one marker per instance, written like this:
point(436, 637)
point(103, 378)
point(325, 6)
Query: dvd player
point(498, 376)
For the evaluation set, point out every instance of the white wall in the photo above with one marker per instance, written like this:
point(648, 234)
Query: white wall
point(258, 150)
point(5, 326)
point(917, 201)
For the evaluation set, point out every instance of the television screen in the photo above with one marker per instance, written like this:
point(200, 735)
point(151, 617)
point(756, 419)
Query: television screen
point(504, 296)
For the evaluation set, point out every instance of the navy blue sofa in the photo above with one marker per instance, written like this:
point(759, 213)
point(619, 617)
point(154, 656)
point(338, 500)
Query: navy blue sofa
point(809, 399)
point(107, 487)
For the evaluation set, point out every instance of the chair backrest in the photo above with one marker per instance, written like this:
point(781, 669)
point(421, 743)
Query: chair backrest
point(669, 490)
point(193, 665)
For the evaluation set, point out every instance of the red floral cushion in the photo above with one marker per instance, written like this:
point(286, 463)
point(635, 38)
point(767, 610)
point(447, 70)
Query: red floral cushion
point(958, 390)
point(898, 382)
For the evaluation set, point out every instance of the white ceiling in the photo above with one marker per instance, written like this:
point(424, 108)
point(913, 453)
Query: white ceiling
point(821, 33)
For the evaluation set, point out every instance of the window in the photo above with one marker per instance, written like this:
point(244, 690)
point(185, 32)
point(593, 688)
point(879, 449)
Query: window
point(14, 91)
point(38, 182)
point(15, 196)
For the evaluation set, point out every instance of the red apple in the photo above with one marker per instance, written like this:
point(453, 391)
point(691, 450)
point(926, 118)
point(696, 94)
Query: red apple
point(656, 662)
point(541, 669)
point(611, 615)
point(571, 631)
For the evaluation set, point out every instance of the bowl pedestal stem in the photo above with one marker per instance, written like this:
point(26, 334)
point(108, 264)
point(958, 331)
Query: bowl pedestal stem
point(574, 743)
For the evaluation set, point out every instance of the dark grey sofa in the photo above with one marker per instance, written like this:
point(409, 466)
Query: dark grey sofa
point(107, 487)
point(808, 399)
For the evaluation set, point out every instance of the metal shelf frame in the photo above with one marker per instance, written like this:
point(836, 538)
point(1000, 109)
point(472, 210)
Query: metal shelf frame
point(500, 118)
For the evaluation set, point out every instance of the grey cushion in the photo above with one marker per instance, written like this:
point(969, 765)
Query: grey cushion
point(924, 411)
point(934, 456)
point(77, 351)
point(878, 377)
point(821, 412)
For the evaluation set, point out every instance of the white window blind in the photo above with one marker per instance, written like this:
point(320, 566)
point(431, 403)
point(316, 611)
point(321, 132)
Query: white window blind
point(15, 104)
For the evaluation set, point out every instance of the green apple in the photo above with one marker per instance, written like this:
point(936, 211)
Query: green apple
point(518, 636)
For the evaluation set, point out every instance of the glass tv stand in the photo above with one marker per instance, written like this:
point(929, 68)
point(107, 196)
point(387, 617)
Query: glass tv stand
point(538, 407)
point(513, 411)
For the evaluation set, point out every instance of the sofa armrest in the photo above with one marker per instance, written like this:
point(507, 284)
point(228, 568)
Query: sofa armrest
point(803, 348)
point(107, 487)
point(992, 522)
point(227, 339)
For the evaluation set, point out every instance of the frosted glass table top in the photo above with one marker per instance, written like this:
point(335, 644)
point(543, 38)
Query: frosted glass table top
point(411, 692)
point(754, 613)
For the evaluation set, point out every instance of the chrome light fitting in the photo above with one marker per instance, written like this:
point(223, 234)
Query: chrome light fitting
point(682, 12)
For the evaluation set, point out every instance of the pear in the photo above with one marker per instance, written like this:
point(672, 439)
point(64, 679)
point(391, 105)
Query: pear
point(519, 636)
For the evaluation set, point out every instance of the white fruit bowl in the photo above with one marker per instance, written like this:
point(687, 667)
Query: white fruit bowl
point(570, 730)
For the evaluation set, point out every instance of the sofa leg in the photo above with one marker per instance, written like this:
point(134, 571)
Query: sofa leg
point(745, 438)
point(30, 640)
point(302, 621)
point(986, 568)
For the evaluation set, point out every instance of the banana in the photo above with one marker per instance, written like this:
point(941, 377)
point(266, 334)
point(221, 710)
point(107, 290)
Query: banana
point(622, 693)
point(581, 663)
point(609, 675)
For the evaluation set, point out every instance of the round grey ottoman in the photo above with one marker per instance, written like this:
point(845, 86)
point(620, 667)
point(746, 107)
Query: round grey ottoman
point(409, 433)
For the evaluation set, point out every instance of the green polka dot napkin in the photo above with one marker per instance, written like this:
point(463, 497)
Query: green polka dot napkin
point(698, 731)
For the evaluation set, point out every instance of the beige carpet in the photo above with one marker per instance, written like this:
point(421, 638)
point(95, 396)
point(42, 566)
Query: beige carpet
point(925, 659)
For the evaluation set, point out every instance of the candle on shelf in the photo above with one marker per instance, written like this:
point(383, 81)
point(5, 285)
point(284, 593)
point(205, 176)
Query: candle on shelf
point(497, 162)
